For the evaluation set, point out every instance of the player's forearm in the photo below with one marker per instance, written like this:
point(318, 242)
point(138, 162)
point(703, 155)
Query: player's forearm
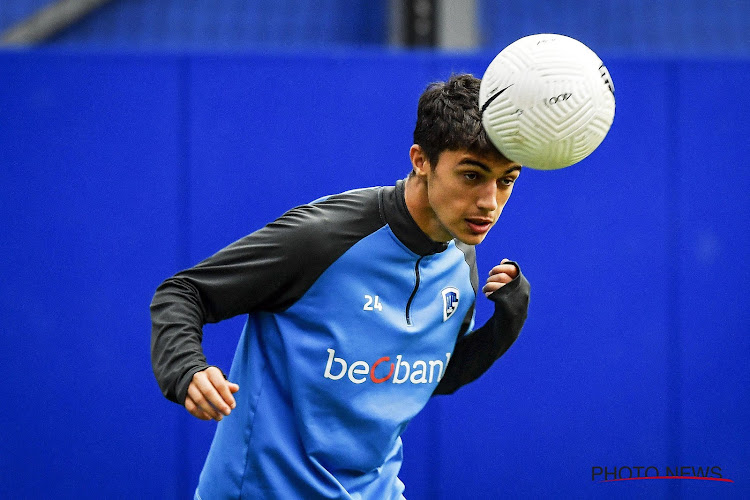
point(177, 319)
point(476, 352)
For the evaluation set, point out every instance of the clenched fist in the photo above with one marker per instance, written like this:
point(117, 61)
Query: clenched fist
point(500, 275)
point(209, 395)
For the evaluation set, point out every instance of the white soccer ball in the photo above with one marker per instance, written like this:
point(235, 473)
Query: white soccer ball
point(547, 101)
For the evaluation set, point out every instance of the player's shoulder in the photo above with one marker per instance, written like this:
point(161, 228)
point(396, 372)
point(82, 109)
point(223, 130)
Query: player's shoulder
point(359, 196)
point(339, 219)
point(357, 206)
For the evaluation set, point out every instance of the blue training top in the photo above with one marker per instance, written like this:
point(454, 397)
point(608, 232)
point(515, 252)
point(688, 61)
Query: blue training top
point(355, 319)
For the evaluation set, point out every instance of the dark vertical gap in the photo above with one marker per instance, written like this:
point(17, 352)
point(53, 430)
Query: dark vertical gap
point(674, 352)
point(420, 23)
point(184, 480)
point(184, 180)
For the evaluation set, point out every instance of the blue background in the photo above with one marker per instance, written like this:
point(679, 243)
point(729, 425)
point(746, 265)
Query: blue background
point(119, 169)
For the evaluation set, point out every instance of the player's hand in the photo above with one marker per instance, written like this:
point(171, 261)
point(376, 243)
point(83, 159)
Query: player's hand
point(209, 395)
point(500, 275)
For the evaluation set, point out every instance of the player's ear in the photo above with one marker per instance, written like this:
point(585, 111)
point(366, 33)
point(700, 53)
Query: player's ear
point(419, 162)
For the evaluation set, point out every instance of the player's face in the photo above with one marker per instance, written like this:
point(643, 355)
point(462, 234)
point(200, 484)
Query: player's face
point(467, 193)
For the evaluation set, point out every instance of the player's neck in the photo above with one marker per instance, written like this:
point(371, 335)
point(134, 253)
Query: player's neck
point(418, 203)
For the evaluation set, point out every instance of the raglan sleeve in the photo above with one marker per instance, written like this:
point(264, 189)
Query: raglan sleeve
point(259, 272)
point(476, 351)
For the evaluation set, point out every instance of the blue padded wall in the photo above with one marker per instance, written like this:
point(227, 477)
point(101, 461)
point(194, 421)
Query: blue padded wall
point(89, 213)
point(711, 213)
point(118, 170)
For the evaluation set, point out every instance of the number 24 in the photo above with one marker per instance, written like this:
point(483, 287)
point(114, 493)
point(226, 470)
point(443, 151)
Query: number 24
point(372, 303)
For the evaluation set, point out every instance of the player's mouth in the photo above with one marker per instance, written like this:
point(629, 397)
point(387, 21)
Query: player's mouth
point(478, 225)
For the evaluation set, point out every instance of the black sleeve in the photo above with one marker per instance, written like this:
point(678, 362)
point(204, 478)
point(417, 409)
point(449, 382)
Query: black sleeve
point(268, 270)
point(476, 352)
point(244, 276)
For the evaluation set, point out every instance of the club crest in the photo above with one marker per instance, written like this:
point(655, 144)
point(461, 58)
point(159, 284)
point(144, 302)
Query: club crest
point(450, 301)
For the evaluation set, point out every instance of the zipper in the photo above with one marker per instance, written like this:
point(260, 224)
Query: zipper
point(414, 292)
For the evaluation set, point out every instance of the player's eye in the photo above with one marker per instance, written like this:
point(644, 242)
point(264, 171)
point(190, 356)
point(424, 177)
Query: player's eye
point(471, 176)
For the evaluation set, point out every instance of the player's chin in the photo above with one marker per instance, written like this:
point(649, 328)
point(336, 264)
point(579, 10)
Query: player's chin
point(471, 238)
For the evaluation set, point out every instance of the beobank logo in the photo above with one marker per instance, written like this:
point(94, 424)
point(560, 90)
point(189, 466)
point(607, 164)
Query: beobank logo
point(383, 370)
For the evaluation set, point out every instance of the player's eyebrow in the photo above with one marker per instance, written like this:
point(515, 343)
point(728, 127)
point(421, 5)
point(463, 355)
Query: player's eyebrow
point(479, 164)
point(475, 163)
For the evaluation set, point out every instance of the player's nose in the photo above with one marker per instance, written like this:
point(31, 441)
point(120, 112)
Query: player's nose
point(487, 200)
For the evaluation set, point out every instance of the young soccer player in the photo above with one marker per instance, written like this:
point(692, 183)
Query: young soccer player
point(360, 308)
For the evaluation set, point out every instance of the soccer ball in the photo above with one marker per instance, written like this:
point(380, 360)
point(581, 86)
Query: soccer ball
point(547, 101)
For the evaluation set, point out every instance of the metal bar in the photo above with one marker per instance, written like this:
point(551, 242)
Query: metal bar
point(457, 24)
point(49, 20)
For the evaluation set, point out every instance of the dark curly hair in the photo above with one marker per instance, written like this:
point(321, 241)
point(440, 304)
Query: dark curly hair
point(448, 118)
